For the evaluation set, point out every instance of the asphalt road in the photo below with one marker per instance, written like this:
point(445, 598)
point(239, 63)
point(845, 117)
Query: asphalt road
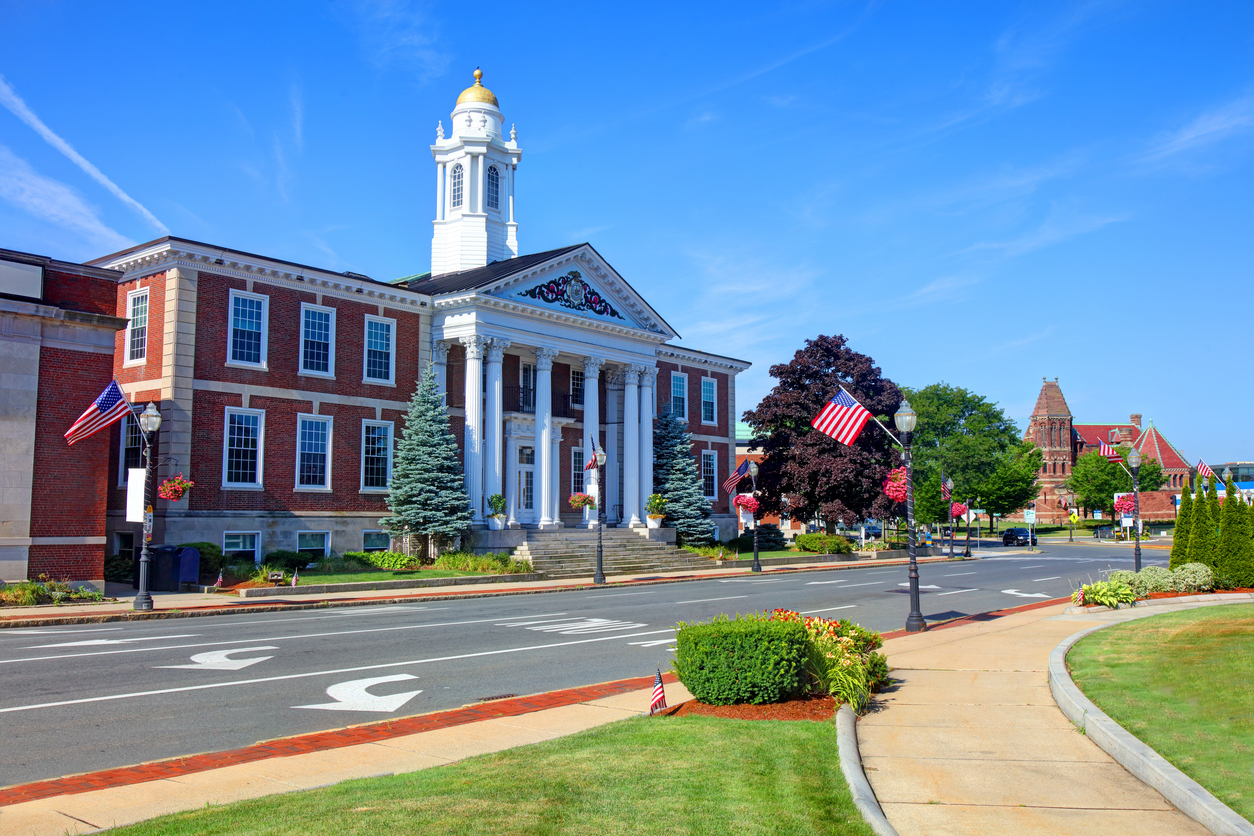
point(82, 698)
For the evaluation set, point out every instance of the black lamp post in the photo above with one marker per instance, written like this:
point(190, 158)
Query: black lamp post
point(949, 483)
point(906, 420)
point(1134, 459)
point(149, 422)
point(599, 577)
point(753, 473)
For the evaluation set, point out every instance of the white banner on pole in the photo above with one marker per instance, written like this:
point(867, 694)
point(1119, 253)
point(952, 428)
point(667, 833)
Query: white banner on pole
point(135, 494)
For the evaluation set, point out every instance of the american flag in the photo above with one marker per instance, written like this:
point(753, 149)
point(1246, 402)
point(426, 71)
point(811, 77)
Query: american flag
point(842, 418)
point(1109, 452)
point(295, 577)
point(737, 475)
point(218, 583)
point(945, 493)
point(1203, 470)
point(592, 460)
point(109, 407)
point(659, 694)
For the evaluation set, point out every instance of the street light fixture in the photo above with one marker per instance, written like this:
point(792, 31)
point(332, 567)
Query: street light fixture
point(149, 422)
point(1134, 459)
point(599, 577)
point(753, 473)
point(906, 419)
point(949, 483)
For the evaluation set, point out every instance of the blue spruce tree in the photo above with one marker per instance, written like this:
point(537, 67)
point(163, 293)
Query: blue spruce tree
point(427, 495)
point(675, 477)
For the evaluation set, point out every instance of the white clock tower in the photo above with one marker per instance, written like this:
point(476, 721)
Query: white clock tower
point(474, 193)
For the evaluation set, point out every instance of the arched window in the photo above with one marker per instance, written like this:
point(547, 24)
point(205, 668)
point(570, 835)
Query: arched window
point(455, 188)
point(494, 188)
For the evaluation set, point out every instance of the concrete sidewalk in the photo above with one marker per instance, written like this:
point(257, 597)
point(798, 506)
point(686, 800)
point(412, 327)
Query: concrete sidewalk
point(143, 798)
point(971, 740)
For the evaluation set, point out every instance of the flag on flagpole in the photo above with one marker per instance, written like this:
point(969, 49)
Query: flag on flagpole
point(739, 473)
point(109, 407)
point(659, 694)
point(1109, 452)
point(295, 577)
point(945, 492)
point(218, 583)
point(842, 418)
point(1203, 470)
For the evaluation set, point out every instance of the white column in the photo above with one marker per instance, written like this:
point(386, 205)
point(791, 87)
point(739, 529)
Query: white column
point(511, 475)
point(439, 365)
point(613, 387)
point(591, 407)
point(474, 425)
point(555, 464)
point(480, 182)
point(544, 432)
point(510, 172)
point(439, 192)
point(631, 445)
point(495, 465)
point(647, 380)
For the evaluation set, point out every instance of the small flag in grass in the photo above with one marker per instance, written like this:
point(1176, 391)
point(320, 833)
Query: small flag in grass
point(218, 583)
point(295, 577)
point(659, 694)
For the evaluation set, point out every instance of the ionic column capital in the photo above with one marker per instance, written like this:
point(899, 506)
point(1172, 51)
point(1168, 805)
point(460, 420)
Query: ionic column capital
point(544, 358)
point(474, 346)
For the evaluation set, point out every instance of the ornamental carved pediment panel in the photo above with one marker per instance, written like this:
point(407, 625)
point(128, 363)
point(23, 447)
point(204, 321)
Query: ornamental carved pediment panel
point(572, 292)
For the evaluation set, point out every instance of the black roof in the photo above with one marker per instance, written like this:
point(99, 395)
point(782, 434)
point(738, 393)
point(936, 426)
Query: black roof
point(480, 276)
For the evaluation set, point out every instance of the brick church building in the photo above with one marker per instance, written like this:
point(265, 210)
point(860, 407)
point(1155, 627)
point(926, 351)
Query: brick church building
point(1062, 441)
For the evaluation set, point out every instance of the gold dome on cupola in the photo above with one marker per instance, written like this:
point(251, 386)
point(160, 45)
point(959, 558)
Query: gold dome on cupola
point(477, 92)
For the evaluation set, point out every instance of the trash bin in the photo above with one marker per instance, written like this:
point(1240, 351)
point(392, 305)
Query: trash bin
point(164, 568)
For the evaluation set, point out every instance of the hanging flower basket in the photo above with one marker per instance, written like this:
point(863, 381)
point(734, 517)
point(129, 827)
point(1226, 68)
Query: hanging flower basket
point(1125, 504)
point(748, 502)
point(174, 488)
point(580, 501)
point(895, 485)
point(958, 510)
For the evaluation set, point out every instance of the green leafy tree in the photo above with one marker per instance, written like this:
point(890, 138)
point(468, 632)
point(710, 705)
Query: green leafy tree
point(1202, 540)
point(1012, 485)
point(676, 478)
point(427, 494)
point(1095, 480)
point(1180, 539)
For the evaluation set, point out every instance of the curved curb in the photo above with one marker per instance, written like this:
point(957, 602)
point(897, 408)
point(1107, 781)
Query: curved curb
point(1188, 796)
point(851, 765)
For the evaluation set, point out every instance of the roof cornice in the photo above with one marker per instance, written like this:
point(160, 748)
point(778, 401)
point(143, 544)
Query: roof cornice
point(476, 299)
point(700, 357)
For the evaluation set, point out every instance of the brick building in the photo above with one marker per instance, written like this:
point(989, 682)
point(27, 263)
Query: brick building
point(1062, 441)
point(58, 327)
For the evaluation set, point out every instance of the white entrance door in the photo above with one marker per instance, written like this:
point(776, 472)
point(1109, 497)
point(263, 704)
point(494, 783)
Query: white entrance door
point(526, 484)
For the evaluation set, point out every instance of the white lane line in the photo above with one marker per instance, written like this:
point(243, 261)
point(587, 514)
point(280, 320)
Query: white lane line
point(706, 600)
point(268, 639)
point(872, 583)
point(1042, 566)
point(1054, 578)
point(956, 592)
point(922, 587)
point(821, 583)
point(19, 633)
point(829, 609)
point(620, 594)
point(957, 574)
point(887, 572)
point(321, 673)
point(97, 642)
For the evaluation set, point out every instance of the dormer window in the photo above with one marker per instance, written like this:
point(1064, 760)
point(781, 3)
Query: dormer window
point(455, 189)
point(494, 188)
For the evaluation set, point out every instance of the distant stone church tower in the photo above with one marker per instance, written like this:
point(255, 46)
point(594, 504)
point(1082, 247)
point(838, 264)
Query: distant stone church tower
point(474, 203)
point(1050, 429)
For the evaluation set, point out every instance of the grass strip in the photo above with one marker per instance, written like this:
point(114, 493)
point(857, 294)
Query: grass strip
point(1181, 683)
point(311, 577)
point(670, 775)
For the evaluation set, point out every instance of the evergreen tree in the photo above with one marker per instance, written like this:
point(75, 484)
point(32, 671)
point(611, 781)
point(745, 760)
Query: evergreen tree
point(1180, 539)
point(1212, 497)
point(1244, 575)
point(427, 495)
point(1202, 540)
point(675, 477)
point(1231, 537)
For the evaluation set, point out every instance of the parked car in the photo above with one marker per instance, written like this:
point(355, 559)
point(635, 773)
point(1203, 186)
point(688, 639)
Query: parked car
point(1017, 537)
point(1104, 533)
point(873, 530)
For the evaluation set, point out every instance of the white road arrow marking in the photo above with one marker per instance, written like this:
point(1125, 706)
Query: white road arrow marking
point(654, 644)
point(922, 587)
point(1019, 594)
point(216, 660)
point(353, 696)
point(820, 583)
point(93, 642)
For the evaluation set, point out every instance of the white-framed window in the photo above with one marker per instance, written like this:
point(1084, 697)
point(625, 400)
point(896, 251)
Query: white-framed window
point(709, 399)
point(576, 470)
point(494, 188)
point(313, 452)
point(317, 340)
point(576, 387)
point(243, 447)
point(242, 545)
point(316, 544)
point(136, 327)
point(679, 395)
point(375, 541)
point(248, 334)
point(378, 366)
point(709, 474)
point(132, 451)
point(527, 478)
point(455, 187)
point(376, 455)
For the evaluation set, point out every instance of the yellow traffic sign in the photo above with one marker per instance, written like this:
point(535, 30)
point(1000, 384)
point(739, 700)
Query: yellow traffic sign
point(1075, 518)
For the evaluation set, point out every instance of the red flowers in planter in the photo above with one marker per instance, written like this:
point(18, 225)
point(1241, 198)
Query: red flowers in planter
point(174, 488)
point(747, 501)
point(1125, 504)
point(895, 484)
point(957, 510)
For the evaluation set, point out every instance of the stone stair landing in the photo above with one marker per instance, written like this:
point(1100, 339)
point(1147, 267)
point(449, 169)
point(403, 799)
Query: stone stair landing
point(572, 553)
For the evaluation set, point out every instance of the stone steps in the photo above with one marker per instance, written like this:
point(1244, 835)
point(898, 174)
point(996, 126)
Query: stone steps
point(572, 554)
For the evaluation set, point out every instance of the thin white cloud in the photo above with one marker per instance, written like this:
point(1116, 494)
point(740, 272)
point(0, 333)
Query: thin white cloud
point(1058, 227)
point(10, 99)
point(298, 118)
point(939, 289)
point(1022, 341)
point(1215, 125)
point(53, 201)
point(396, 34)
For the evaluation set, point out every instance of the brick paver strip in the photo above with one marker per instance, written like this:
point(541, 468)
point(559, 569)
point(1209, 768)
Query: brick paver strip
point(319, 741)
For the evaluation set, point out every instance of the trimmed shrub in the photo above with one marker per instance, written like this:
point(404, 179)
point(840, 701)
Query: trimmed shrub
point(749, 659)
point(770, 539)
point(118, 569)
point(392, 561)
point(287, 560)
point(496, 563)
point(211, 560)
point(1194, 577)
point(1109, 593)
point(1180, 535)
point(823, 544)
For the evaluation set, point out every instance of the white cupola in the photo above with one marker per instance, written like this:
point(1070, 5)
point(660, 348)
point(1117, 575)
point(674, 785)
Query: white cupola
point(474, 192)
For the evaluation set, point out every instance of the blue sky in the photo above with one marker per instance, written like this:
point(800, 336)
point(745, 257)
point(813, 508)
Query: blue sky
point(979, 193)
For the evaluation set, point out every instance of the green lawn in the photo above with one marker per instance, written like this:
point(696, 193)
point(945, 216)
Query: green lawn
point(1181, 683)
point(674, 775)
point(311, 577)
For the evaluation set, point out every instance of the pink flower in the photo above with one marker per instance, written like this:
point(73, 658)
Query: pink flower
point(895, 485)
point(957, 509)
point(747, 501)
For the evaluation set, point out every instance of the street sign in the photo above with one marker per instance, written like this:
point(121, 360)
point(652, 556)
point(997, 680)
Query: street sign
point(1029, 516)
point(148, 525)
point(1126, 521)
point(1075, 518)
point(978, 511)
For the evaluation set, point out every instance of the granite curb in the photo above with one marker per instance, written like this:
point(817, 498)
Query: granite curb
point(1188, 796)
point(851, 765)
point(373, 586)
point(1164, 602)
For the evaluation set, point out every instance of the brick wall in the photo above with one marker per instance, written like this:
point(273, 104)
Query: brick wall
point(150, 369)
point(693, 405)
point(80, 293)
